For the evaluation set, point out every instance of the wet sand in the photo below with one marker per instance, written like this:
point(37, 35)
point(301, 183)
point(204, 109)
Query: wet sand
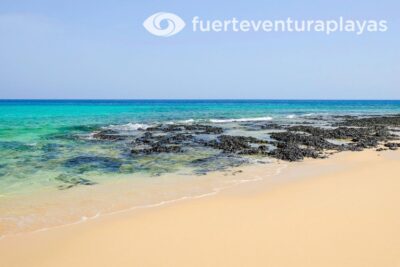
point(342, 211)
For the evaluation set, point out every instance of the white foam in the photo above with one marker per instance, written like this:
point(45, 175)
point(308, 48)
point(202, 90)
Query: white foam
point(291, 116)
point(128, 127)
point(241, 120)
point(189, 121)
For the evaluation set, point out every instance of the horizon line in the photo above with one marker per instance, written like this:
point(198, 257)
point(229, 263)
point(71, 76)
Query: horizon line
point(193, 99)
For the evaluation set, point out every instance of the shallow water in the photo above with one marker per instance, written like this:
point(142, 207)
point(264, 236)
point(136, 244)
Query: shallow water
point(52, 170)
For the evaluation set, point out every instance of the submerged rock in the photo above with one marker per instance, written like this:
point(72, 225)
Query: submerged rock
point(271, 126)
point(204, 129)
point(94, 162)
point(195, 128)
point(218, 162)
point(175, 139)
point(260, 150)
point(70, 182)
point(109, 135)
point(156, 149)
point(15, 146)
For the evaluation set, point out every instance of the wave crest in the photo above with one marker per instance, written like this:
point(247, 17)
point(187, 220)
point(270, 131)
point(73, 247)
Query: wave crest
point(241, 120)
point(128, 127)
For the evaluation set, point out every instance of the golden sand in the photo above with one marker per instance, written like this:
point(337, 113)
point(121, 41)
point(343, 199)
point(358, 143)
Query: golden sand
point(343, 211)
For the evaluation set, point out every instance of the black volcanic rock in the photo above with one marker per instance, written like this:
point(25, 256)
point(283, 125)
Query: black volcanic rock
point(195, 128)
point(204, 129)
point(373, 121)
point(315, 142)
point(366, 142)
point(109, 135)
point(292, 152)
point(392, 146)
point(236, 144)
point(343, 132)
point(296, 143)
point(157, 148)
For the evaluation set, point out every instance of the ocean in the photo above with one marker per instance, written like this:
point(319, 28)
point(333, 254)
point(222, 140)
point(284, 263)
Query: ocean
point(54, 171)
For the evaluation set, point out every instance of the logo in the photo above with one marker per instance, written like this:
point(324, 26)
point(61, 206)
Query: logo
point(173, 24)
point(168, 24)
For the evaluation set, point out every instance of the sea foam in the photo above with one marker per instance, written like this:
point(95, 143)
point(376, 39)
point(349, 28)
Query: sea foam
point(241, 120)
point(128, 127)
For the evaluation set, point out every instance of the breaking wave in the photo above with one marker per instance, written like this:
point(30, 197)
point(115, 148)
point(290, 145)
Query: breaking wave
point(128, 127)
point(241, 120)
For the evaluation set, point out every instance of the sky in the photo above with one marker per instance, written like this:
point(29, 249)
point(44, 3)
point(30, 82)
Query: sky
point(77, 49)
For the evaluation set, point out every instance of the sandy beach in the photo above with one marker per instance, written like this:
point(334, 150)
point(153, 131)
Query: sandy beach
point(341, 211)
point(199, 134)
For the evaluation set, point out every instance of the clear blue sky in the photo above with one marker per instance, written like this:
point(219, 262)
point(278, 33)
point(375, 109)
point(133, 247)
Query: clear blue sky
point(99, 49)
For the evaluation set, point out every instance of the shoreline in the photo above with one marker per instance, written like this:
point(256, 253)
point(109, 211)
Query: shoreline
point(85, 171)
point(172, 229)
point(234, 173)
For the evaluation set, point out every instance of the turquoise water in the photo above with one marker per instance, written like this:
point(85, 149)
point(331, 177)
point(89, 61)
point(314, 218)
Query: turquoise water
point(37, 137)
point(28, 120)
point(46, 146)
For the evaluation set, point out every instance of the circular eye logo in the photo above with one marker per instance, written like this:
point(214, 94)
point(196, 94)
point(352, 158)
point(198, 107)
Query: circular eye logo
point(174, 24)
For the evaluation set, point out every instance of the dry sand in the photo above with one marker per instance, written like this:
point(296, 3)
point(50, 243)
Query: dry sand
point(343, 211)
